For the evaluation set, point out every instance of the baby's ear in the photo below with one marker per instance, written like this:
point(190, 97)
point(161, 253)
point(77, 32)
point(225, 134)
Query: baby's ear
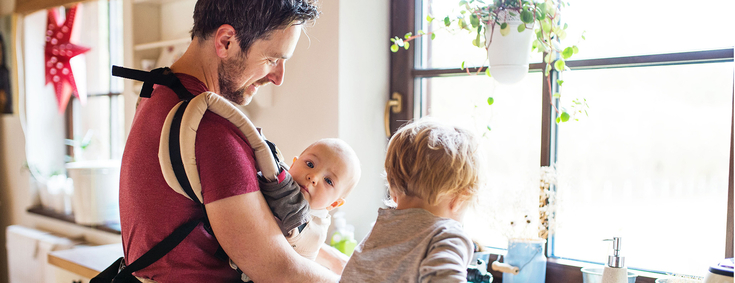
point(337, 203)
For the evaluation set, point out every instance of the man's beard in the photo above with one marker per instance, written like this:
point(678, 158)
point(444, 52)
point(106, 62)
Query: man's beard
point(227, 71)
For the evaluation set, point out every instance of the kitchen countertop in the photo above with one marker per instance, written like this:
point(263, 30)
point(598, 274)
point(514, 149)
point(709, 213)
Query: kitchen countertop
point(87, 261)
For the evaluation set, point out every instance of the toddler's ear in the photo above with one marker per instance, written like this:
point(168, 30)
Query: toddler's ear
point(337, 203)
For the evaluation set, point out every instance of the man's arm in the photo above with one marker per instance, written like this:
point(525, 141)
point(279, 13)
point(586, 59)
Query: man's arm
point(246, 230)
point(332, 258)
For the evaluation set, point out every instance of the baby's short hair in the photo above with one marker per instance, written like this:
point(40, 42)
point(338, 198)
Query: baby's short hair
point(428, 159)
point(343, 149)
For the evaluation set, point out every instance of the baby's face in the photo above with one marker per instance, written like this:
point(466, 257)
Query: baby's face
point(323, 174)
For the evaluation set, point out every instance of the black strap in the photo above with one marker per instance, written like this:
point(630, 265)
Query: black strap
point(174, 151)
point(160, 249)
point(161, 76)
point(274, 151)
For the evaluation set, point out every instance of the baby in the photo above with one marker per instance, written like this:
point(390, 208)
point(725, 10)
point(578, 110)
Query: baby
point(324, 174)
point(433, 174)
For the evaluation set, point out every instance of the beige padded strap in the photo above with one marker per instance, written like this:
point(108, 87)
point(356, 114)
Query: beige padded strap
point(189, 126)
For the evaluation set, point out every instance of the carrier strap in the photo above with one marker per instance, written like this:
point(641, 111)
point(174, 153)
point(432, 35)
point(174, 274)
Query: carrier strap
point(160, 249)
point(161, 76)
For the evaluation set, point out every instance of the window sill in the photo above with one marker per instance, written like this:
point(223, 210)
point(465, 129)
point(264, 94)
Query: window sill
point(39, 210)
point(564, 270)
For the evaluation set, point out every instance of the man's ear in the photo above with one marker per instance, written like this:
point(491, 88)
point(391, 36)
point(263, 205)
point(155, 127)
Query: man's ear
point(224, 38)
point(336, 204)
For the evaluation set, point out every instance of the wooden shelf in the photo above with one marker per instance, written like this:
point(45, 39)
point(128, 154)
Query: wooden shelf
point(108, 227)
point(162, 43)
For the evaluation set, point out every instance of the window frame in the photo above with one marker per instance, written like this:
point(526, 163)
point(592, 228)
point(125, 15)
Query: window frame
point(116, 124)
point(404, 77)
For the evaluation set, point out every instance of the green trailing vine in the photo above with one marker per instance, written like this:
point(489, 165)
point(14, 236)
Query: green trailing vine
point(541, 16)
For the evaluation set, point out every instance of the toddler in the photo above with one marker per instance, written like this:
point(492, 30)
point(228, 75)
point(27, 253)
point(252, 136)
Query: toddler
point(432, 171)
point(324, 174)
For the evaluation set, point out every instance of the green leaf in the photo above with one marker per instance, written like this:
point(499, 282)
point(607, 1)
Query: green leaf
point(566, 25)
point(557, 95)
point(447, 21)
point(545, 26)
point(504, 29)
point(568, 52)
point(540, 15)
point(558, 120)
point(488, 128)
point(576, 50)
point(392, 40)
point(474, 21)
point(559, 65)
point(490, 101)
point(487, 73)
point(408, 35)
point(521, 28)
point(421, 32)
point(564, 116)
point(433, 35)
point(405, 45)
point(462, 66)
point(547, 58)
point(560, 82)
point(527, 16)
point(394, 48)
point(463, 2)
point(429, 19)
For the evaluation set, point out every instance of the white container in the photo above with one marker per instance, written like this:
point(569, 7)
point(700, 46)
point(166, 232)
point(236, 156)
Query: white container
point(509, 55)
point(96, 184)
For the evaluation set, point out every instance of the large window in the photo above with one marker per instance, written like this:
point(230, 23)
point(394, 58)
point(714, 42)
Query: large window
point(89, 131)
point(649, 164)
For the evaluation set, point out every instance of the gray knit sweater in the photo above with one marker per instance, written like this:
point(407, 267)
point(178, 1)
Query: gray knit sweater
point(411, 245)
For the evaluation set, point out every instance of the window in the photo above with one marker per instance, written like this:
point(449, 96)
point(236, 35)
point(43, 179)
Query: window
point(93, 131)
point(651, 162)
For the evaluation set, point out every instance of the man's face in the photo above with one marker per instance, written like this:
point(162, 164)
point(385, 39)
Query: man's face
point(241, 76)
point(323, 175)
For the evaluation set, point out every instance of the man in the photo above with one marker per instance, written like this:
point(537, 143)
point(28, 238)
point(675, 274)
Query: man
point(237, 46)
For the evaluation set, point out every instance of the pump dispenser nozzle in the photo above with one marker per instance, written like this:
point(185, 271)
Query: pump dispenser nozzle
point(615, 271)
point(615, 260)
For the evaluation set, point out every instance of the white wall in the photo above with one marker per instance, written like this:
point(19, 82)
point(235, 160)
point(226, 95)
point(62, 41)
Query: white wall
point(336, 85)
point(363, 88)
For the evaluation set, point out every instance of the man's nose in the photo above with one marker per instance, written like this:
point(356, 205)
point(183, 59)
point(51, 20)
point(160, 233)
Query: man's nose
point(276, 75)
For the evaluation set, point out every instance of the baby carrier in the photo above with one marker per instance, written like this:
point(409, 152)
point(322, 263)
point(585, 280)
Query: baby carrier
point(178, 163)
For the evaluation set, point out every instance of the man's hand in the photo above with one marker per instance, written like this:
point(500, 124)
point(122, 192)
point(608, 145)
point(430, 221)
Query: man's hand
point(332, 258)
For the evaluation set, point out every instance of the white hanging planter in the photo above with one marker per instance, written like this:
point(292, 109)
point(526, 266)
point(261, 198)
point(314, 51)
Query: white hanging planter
point(509, 55)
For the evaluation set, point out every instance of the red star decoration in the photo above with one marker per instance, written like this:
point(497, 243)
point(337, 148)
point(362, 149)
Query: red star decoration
point(58, 52)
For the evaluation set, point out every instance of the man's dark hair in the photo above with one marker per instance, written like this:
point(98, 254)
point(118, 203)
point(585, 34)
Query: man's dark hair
point(252, 19)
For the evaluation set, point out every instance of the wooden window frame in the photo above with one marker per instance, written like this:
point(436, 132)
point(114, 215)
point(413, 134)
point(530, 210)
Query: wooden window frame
point(404, 74)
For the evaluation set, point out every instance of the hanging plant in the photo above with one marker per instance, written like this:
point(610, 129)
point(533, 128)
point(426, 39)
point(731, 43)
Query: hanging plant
point(539, 20)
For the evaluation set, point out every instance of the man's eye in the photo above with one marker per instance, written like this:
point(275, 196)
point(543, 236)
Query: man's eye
point(308, 163)
point(329, 181)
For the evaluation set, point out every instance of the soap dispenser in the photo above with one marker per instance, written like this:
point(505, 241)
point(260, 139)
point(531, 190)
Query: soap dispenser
point(615, 270)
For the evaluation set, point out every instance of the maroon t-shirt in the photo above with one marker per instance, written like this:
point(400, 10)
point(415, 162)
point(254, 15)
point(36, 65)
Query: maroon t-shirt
point(150, 210)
